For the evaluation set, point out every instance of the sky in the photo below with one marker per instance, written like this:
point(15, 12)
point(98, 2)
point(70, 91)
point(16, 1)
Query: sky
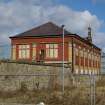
point(17, 16)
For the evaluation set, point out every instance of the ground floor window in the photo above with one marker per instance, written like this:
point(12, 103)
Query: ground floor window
point(51, 50)
point(24, 51)
point(33, 51)
point(14, 52)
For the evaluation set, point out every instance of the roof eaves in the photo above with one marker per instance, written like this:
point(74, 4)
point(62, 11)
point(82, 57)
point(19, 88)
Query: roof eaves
point(87, 41)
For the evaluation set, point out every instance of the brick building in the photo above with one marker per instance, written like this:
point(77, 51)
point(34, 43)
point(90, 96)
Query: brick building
point(44, 44)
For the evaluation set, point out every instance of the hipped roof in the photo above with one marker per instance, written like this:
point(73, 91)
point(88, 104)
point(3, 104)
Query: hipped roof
point(50, 29)
point(47, 29)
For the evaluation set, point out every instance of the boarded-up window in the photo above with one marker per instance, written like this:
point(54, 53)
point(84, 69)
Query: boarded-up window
point(95, 62)
point(76, 56)
point(98, 62)
point(82, 61)
point(77, 60)
point(86, 58)
point(24, 51)
point(51, 50)
point(86, 62)
point(90, 63)
point(81, 58)
point(90, 60)
point(14, 52)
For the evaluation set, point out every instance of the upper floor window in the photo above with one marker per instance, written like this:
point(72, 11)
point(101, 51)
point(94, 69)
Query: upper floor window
point(51, 50)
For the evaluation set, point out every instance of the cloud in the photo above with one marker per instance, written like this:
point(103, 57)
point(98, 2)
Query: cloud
point(99, 40)
point(75, 21)
point(17, 16)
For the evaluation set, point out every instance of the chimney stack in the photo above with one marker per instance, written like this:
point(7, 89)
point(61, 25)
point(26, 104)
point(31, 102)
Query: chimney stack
point(89, 35)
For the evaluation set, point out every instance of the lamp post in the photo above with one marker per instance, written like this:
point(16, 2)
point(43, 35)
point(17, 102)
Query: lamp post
point(63, 60)
point(92, 89)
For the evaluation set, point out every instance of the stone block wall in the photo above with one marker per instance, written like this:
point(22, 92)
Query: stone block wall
point(13, 74)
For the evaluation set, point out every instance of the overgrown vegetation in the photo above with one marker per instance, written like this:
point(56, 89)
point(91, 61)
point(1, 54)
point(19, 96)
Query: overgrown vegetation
point(72, 95)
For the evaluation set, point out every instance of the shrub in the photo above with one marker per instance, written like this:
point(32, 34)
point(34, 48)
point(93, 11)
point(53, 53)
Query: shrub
point(23, 87)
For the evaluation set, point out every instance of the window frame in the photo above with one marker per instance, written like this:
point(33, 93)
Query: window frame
point(52, 50)
point(23, 51)
point(14, 52)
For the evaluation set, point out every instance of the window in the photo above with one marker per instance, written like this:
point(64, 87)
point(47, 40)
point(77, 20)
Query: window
point(90, 60)
point(77, 60)
point(81, 58)
point(86, 58)
point(33, 51)
point(51, 50)
point(14, 52)
point(24, 51)
point(76, 56)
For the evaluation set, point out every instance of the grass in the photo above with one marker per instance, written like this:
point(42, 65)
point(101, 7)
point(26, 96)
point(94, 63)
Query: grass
point(72, 95)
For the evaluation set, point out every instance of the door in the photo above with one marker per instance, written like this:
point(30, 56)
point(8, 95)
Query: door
point(42, 54)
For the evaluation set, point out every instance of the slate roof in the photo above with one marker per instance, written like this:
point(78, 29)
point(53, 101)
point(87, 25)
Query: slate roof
point(50, 29)
point(47, 29)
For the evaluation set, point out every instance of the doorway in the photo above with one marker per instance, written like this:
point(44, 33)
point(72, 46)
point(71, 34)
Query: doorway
point(42, 55)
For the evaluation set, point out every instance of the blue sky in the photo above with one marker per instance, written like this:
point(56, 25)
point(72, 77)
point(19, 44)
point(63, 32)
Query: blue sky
point(96, 7)
point(17, 16)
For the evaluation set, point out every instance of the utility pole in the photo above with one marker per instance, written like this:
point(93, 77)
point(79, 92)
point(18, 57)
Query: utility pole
point(63, 59)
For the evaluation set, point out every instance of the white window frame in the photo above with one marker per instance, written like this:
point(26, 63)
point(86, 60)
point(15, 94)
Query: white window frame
point(13, 52)
point(52, 50)
point(24, 51)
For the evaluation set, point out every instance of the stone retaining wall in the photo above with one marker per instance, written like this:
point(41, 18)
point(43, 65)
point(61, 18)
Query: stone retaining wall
point(13, 74)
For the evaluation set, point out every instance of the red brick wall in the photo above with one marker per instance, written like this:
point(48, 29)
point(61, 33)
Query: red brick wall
point(41, 42)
